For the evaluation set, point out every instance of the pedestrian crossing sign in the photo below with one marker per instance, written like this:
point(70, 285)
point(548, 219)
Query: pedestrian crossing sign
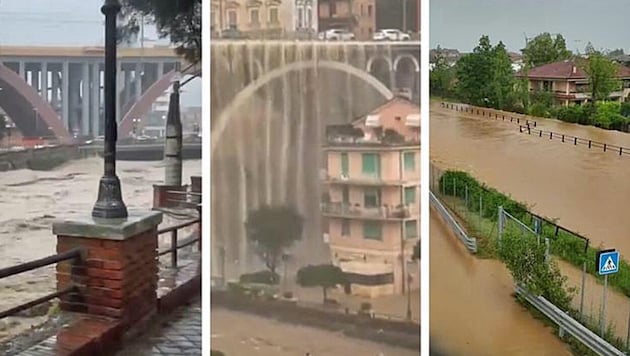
point(608, 262)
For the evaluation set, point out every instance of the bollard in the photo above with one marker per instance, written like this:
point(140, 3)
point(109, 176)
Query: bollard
point(540, 133)
point(620, 150)
point(529, 130)
point(574, 141)
point(550, 135)
point(604, 147)
point(562, 138)
point(589, 143)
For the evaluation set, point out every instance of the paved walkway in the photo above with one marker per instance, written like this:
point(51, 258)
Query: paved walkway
point(180, 334)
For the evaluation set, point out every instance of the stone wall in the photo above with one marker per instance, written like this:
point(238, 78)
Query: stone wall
point(38, 158)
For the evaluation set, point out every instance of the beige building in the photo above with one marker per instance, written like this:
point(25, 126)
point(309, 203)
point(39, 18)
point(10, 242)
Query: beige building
point(373, 194)
point(356, 16)
point(264, 18)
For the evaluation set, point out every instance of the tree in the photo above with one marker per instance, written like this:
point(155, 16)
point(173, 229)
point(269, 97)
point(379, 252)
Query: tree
point(608, 115)
point(544, 49)
point(180, 20)
point(272, 230)
point(325, 276)
point(602, 74)
point(441, 76)
point(485, 76)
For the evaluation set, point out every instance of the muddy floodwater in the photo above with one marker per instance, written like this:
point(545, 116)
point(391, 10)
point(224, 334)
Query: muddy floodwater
point(585, 189)
point(31, 200)
point(236, 333)
point(472, 308)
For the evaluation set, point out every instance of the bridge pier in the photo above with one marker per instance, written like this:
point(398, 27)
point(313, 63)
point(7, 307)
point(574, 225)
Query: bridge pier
point(44, 72)
point(85, 99)
point(65, 95)
point(95, 99)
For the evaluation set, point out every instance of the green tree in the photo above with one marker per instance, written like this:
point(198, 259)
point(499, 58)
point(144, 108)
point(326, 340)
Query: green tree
point(180, 20)
point(441, 76)
point(527, 263)
point(544, 49)
point(485, 76)
point(608, 115)
point(272, 230)
point(602, 74)
point(324, 276)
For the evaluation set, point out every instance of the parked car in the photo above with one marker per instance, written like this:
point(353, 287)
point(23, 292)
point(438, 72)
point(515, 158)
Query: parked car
point(336, 35)
point(390, 35)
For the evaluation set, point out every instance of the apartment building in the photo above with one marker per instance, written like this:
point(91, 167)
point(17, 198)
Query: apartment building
point(356, 16)
point(372, 202)
point(264, 18)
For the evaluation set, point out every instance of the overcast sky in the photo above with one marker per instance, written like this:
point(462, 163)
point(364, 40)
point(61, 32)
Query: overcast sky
point(460, 23)
point(65, 23)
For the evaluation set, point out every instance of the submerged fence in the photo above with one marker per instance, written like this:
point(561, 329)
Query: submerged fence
point(491, 113)
point(591, 144)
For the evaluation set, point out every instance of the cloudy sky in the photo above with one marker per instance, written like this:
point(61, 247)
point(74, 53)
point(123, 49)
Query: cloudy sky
point(65, 23)
point(460, 23)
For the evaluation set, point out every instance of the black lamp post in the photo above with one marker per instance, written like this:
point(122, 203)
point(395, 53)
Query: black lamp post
point(109, 204)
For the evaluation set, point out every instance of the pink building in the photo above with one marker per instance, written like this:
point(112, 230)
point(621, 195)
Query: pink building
point(372, 201)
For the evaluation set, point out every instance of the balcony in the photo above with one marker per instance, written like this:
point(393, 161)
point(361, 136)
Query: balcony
point(355, 211)
point(367, 181)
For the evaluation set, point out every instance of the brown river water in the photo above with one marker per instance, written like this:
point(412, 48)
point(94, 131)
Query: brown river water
point(31, 200)
point(585, 189)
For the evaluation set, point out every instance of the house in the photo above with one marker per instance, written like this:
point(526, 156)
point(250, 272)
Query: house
point(373, 197)
point(569, 83)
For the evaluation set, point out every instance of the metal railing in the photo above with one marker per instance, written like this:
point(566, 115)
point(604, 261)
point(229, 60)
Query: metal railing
point(489, 112)
point(567, 324)
point(75, 254)
point(379, 212)
point(575, 140)
point(469, 242)
point(177, 245)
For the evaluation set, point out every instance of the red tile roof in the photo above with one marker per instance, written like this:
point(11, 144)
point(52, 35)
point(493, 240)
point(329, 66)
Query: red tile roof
point(567, 69)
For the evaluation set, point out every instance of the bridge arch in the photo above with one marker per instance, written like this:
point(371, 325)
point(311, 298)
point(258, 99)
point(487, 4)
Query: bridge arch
point(379, 57)
point(249, 90)
point(32, 115)
point(402, 57)
point(144, 104)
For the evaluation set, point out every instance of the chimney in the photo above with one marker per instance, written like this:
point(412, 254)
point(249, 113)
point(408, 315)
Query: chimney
point(574, 69)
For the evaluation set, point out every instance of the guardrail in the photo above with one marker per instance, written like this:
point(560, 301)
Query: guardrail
point(575, 140)
point(74, 254)
point(569, 325)
point(498, 114)
point(469, 242)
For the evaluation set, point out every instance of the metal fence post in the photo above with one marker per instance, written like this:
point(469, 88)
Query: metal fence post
point(466, 195)
point(500, 222)
point(584, 283)
point(480, 205)
point(174, 249)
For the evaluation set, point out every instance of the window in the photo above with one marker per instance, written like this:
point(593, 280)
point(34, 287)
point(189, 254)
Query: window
point(362, 10)
point(333, 8)
point(411, 229)
point(370, 10)
point(254, 17)
point(410, 195)
point(273, 15)
point(409, 159)
point(372, 230)
point(371, 198)
point(300, 19)
point(344, 164)
point(345, 227)
point(309, 15)
point(370, 164)
point(232, 19)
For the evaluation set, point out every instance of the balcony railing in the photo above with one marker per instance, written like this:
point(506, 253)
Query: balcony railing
point(356, 210)
point(366, 180)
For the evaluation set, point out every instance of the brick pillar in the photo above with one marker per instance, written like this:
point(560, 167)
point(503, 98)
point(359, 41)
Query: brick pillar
point(118, 275)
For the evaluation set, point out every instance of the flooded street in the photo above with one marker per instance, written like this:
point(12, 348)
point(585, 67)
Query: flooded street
point(472, 308)
point(235, 333)
point(31, 200)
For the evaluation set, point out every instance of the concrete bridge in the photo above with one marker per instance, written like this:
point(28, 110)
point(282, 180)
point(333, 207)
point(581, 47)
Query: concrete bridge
point(58, 91)
point(240, 64)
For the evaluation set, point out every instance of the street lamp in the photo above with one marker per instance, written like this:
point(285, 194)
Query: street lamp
point(109, 204)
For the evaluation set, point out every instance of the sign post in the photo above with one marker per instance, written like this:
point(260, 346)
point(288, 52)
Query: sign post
point(608, 263)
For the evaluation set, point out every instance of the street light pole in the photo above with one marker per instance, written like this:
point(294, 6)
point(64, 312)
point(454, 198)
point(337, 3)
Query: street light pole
point(109, 204)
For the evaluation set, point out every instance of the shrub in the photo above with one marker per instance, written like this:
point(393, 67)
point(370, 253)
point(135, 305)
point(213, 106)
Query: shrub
point(262, 277)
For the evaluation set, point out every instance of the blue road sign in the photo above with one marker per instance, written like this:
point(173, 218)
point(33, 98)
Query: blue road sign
point(608, 262)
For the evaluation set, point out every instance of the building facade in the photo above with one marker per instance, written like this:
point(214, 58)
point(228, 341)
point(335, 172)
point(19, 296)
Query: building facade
point(569, 84)
point(373, 195)
point(356, 16)
point(264, 18)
